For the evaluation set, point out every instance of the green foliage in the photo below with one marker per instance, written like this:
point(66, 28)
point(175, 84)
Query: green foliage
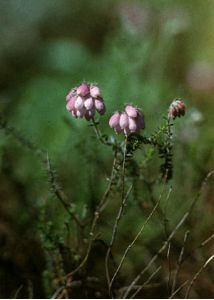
point(46, 50)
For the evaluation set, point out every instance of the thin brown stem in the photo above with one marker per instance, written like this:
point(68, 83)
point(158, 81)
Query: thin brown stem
point(118, 217)
point(178, 289)
point(145, 283)
point(99, 209)
point(98, 133)
point(135, 239)
point(154, 258)
point(179, 262)
point(59, 193)
point(115, 228)
point(197, 274)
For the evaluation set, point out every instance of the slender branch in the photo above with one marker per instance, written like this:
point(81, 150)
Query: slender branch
point(99, 135)
point(178, 289)
point(196, 275)
point(147, 286)
point(97, 212)
point(104, 199)
point(114, 232)
point(186, 215)
point(134, 240)
point(43, 155)
point(22, 139)
point(145, 283)
point(201, 245)
point(59, 193)
point(206, 241)
point(17, 292)
point(163, 247)
point(118, 217)
point(179, 262)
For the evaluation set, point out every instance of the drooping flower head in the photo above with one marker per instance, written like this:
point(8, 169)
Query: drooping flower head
point(84, 101)
point(129, 121)
point(176, 109)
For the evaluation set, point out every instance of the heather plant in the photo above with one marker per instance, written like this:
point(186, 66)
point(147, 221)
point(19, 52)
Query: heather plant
point(80, 247)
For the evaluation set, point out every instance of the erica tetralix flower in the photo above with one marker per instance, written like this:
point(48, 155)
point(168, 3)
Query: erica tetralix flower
point(84, 101)
point(129, 121)
point(176, 109)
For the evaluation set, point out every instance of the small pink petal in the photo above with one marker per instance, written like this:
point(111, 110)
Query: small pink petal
point(83, 89)
point(79, 103)
point(114, 120)
point(124, 120)
point(94, 91)
point(70, 95)
point(132, 125)
point(100, 106)
point(70, 104)
point(89, 103)
point(131, 111)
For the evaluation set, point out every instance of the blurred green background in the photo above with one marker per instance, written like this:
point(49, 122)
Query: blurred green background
point(141, 52)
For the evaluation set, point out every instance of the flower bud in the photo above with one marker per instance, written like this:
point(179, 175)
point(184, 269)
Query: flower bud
point(83, 89)
point(70, 95)
point(176, 109)
point(70, 104)
point(131, 111)
point(89, 103)
point(124, 120)
point(100, 106)
point(79, 103)
point(94, 91)
point(132, 125)
point(114, 120)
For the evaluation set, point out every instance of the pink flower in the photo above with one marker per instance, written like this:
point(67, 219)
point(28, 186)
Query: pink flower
point(84, 101)
point(176, 109)
point(132, 125)
point(89, 103)
point(100, 106)
point(114, 122)
point(94, 91)
point(131, 111)
point(79, 103)
point(70, 104)
point(83, 89)
point(124, 120)
point(131, 120)
point(70, 94)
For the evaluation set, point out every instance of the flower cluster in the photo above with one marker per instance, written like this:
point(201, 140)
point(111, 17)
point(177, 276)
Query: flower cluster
point(84, 101)
point(129, 121)
point(176, 109)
